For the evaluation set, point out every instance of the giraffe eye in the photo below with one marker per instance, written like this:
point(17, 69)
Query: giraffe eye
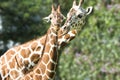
point(50, 18)
point(62, 18)
point(65, 27)
point(80, 16)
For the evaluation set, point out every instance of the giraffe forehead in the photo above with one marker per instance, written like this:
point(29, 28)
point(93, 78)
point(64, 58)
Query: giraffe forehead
point(56, 14)
point(76, 10)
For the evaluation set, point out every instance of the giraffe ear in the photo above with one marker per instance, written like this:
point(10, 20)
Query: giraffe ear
point(74, 3)
point(89, 10)
point(80, 3)
point(53, 8)
point(47, 19)
point(58, 9)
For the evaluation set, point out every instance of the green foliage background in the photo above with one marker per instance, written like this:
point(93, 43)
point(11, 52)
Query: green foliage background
point(95, 52)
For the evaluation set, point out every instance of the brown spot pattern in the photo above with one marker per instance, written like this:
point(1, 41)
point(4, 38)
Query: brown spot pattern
point(37, 77)
point(14, 73)
point(43, 68)
point(35, 57)
point(33, 46)
point(5, 70)
point(59, 33)
point(27, 78)
point(17, 48)
point(31, 75)
point(50, 74)
point(46, 58)
point(67, 36)
point(47, 48)
point(26, 62)
point(38, 71)
point(74, 32)
point(53, 54)
point(51, 66)
point(12, 64)
point(9, 54)
point(25, 53)
point(45, 78)
point(38, 48)
point(3, 60)
point(42, 40)
point(52, 42)
point(19, 60)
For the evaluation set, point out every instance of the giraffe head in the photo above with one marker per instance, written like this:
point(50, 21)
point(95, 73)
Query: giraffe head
point(56, 17)
point(76, 16)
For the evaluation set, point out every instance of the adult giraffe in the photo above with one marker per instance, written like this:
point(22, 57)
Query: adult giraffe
point(46, 67)
point(17, 61)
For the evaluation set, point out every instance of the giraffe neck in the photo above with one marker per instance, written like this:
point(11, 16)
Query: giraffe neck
point(34, 46)
point(47, 64)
